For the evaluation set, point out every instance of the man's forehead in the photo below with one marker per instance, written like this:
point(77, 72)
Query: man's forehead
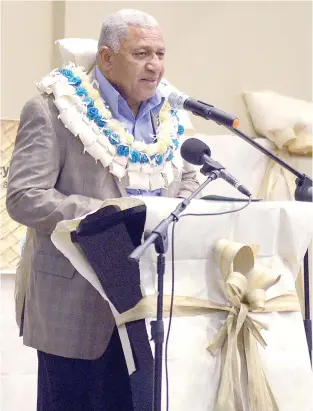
point(138, 36)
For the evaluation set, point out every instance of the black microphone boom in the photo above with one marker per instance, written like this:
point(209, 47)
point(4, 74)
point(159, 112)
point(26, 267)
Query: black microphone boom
point(196, 152)
point(199, 108)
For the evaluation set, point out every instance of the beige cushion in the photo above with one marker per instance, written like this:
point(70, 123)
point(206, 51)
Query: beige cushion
point(302, 145)
point(284, 120)
point(81, 52)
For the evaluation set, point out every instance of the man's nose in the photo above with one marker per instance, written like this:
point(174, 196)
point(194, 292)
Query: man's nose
point(155, 64)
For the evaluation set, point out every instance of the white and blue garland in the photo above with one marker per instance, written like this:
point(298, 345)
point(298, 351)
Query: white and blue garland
point(85, 114)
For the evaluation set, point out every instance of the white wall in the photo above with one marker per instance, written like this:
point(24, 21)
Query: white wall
point(26, 51)
point(217, 50)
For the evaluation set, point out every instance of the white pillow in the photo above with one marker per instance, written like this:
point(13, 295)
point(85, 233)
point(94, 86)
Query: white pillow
point(243, 161)
point(81, 52)
point(284, 120)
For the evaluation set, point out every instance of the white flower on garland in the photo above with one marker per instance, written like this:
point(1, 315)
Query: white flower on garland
point(85, 114)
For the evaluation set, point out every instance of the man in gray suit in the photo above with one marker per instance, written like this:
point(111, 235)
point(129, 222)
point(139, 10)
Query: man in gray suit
point(52, 179)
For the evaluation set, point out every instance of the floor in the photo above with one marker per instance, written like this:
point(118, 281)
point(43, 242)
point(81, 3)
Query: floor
point(18, 363)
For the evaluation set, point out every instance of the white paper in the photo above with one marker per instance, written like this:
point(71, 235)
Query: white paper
point(168, 174)
point(104, 156)
point(87, 135)
point(138, 181)
point(60, 89)
point(63, 103)
point(117, 169)
point(156, 181)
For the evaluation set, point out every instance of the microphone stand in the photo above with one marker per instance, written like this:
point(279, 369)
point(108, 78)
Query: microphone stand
point(303, 192)
point(159, 237)
point(303, 181)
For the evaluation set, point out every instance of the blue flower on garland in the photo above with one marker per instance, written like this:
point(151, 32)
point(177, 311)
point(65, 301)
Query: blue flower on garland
point(158, 159)
point(134, 157)
point(76, 81)
point(174, 114)
point(97, 118)
point(114, 139)
point(170, 156)
point(180, 130)
point(88, 101)
point(81, 91)
point(175, 142)
point(100, 121)
point(144, 159)
point(107, 132)
point(123, 150)
point(92, 113)
point(67, 73)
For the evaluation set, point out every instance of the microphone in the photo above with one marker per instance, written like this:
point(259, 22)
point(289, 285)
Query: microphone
point(196, 152)
point(199, 108)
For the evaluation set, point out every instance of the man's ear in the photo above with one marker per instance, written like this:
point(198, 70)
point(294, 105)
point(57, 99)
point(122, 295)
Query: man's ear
point(105, 58)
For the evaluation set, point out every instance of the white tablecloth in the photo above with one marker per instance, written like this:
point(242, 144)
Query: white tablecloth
point(283, 230)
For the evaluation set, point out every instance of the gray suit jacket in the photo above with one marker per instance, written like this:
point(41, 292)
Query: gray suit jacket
point(50, 180)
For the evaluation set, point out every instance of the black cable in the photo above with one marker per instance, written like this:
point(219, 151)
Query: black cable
point(224, 212)
point(170, 318)
point(173, 286)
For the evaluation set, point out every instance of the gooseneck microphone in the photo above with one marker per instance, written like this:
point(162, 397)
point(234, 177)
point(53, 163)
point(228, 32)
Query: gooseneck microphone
point(196, 152)
point(199, 108)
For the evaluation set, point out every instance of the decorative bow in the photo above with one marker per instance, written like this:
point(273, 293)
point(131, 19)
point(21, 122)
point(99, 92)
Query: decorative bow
point(245, 286)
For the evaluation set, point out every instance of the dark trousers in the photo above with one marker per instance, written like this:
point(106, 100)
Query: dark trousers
point(66, 384)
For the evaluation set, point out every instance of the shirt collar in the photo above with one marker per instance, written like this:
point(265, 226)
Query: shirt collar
point(115, 101)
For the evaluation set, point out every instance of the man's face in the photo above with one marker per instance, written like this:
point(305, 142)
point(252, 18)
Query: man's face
point(137, 68)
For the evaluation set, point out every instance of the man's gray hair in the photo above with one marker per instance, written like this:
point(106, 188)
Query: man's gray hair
point(115, 26)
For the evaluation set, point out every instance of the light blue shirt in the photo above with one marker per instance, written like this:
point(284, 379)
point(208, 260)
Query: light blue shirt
point(141, 126)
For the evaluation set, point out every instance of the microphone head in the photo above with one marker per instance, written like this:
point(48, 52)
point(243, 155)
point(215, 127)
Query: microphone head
point(177, 100)
point(192, 150)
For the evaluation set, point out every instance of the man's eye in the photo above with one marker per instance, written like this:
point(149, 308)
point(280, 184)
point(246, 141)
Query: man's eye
point(141, 54)
point(161, 55)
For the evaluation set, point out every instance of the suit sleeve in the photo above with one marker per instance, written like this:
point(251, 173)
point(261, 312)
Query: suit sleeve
point(32, 199)
point(189, 182)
